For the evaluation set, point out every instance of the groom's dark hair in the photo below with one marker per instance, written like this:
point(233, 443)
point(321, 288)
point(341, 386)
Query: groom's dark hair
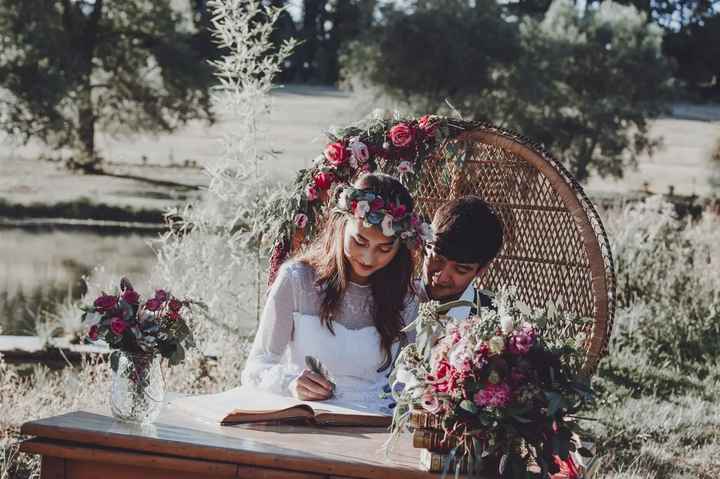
point(467, 230)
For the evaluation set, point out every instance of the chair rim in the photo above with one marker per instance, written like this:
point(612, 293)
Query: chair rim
point(586, 217)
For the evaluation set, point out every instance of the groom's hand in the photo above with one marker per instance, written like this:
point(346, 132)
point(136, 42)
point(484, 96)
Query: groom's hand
point(310, 386)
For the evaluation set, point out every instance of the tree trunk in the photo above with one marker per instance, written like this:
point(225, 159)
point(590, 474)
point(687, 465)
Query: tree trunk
point(90, 161)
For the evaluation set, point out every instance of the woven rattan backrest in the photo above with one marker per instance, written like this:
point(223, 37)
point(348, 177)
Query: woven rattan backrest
point(555, 247)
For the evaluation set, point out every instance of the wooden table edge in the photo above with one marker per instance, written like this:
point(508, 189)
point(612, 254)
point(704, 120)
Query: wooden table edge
point(316, 465)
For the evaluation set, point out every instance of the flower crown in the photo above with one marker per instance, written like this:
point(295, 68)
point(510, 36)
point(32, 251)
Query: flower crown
point(393, 219)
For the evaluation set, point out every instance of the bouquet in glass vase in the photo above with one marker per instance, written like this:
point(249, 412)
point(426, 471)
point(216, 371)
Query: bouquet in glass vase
point(140, 332)
point(499, 389)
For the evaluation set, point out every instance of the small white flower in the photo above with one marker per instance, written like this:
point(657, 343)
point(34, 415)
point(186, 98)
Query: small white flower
point(426, 233)
point(342, 200)
point(405, 167)
point(361, 209)
point(359, 150)
point(496, 344)
point(387, 226)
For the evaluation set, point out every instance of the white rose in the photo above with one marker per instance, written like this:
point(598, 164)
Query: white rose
point(427, 233)
point(359, 150)
point(387, 226)
point(342, 200)
point(458, 354)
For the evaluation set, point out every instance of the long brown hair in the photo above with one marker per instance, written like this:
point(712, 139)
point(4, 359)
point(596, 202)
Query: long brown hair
point(389, 285)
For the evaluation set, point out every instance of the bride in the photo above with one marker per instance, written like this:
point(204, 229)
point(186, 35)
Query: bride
point(344, 301)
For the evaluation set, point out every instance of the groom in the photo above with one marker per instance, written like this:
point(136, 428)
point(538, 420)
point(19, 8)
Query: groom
point(468, 235)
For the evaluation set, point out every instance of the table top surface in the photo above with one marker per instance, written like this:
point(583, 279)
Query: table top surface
point(342, 451)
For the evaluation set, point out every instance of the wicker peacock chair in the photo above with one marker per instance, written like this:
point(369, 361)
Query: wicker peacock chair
point(555, 243)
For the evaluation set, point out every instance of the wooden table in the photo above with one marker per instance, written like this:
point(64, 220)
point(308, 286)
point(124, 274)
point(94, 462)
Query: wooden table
point(86, 445)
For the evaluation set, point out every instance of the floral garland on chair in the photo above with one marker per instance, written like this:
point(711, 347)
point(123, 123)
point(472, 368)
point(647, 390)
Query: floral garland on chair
point(395, 146)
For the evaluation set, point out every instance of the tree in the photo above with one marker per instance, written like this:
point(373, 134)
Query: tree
point(73, 66)
point(584, 84)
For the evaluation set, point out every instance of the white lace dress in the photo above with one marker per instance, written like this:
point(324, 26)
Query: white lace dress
point(290, 329)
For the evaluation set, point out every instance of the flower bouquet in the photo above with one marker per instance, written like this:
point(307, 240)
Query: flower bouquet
point(139, 332)
point(498, 388)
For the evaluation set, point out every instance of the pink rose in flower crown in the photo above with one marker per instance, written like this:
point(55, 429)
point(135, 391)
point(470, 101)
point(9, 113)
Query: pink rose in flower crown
point(118, 326)
point(324, 180)
point(427, 124)
point(130, 296)
point(311, 192)
point(398, 211)
point(336, 154)
point(494, 395)
point(106, 303)
point(300, 220)
point(93, 332)
point(401, 135)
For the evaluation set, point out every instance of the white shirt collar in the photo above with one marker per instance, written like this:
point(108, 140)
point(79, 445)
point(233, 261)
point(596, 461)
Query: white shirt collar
point(463, 312)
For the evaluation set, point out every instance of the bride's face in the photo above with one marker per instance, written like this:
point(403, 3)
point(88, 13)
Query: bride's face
point(367, 249)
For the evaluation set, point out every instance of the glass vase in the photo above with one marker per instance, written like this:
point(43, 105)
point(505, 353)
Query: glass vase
point(138, 388)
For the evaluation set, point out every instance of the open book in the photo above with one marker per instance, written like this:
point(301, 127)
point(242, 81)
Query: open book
point(248, 405)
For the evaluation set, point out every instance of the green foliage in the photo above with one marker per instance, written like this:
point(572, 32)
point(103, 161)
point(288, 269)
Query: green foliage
point(582, 84)
point(69, 67)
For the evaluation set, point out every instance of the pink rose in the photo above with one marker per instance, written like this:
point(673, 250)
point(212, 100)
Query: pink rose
point(324, 181)
point(494, 395)
point(153, 304)
point(118, 326)
point(300, 220)
point(405, 167)
point(130, 296)
point(427, 124)
point(311, 192)
point(401, 135)
point(336, 154)
point(175, 305)
point(106, 303)
point(521, 341)
point(93, 333)
point(377, 204)
point(161, 295)
point(431, 403)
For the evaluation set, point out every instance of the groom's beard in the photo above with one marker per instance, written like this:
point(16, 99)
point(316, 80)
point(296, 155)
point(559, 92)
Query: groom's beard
point(439, 296)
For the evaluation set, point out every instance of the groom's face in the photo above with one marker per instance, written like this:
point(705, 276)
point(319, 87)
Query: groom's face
point(446, 279)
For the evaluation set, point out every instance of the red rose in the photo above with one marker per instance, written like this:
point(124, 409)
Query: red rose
point(173, 315)
point(377, 204)
point(427, 124)
point(336, 154)
point(398, 211)
point(175, 305)
point(401, 135)
point(130, 296)
point(106, 303)
point(93, 333)
point(161, 295)
point(324, 181)
point(153, 304)
point(118, 326)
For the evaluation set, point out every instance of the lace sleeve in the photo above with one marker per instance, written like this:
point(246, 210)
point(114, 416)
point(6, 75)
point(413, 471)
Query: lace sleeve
point(265, 368)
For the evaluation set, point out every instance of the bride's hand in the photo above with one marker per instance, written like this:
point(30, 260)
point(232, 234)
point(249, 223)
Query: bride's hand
point(310, 386)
